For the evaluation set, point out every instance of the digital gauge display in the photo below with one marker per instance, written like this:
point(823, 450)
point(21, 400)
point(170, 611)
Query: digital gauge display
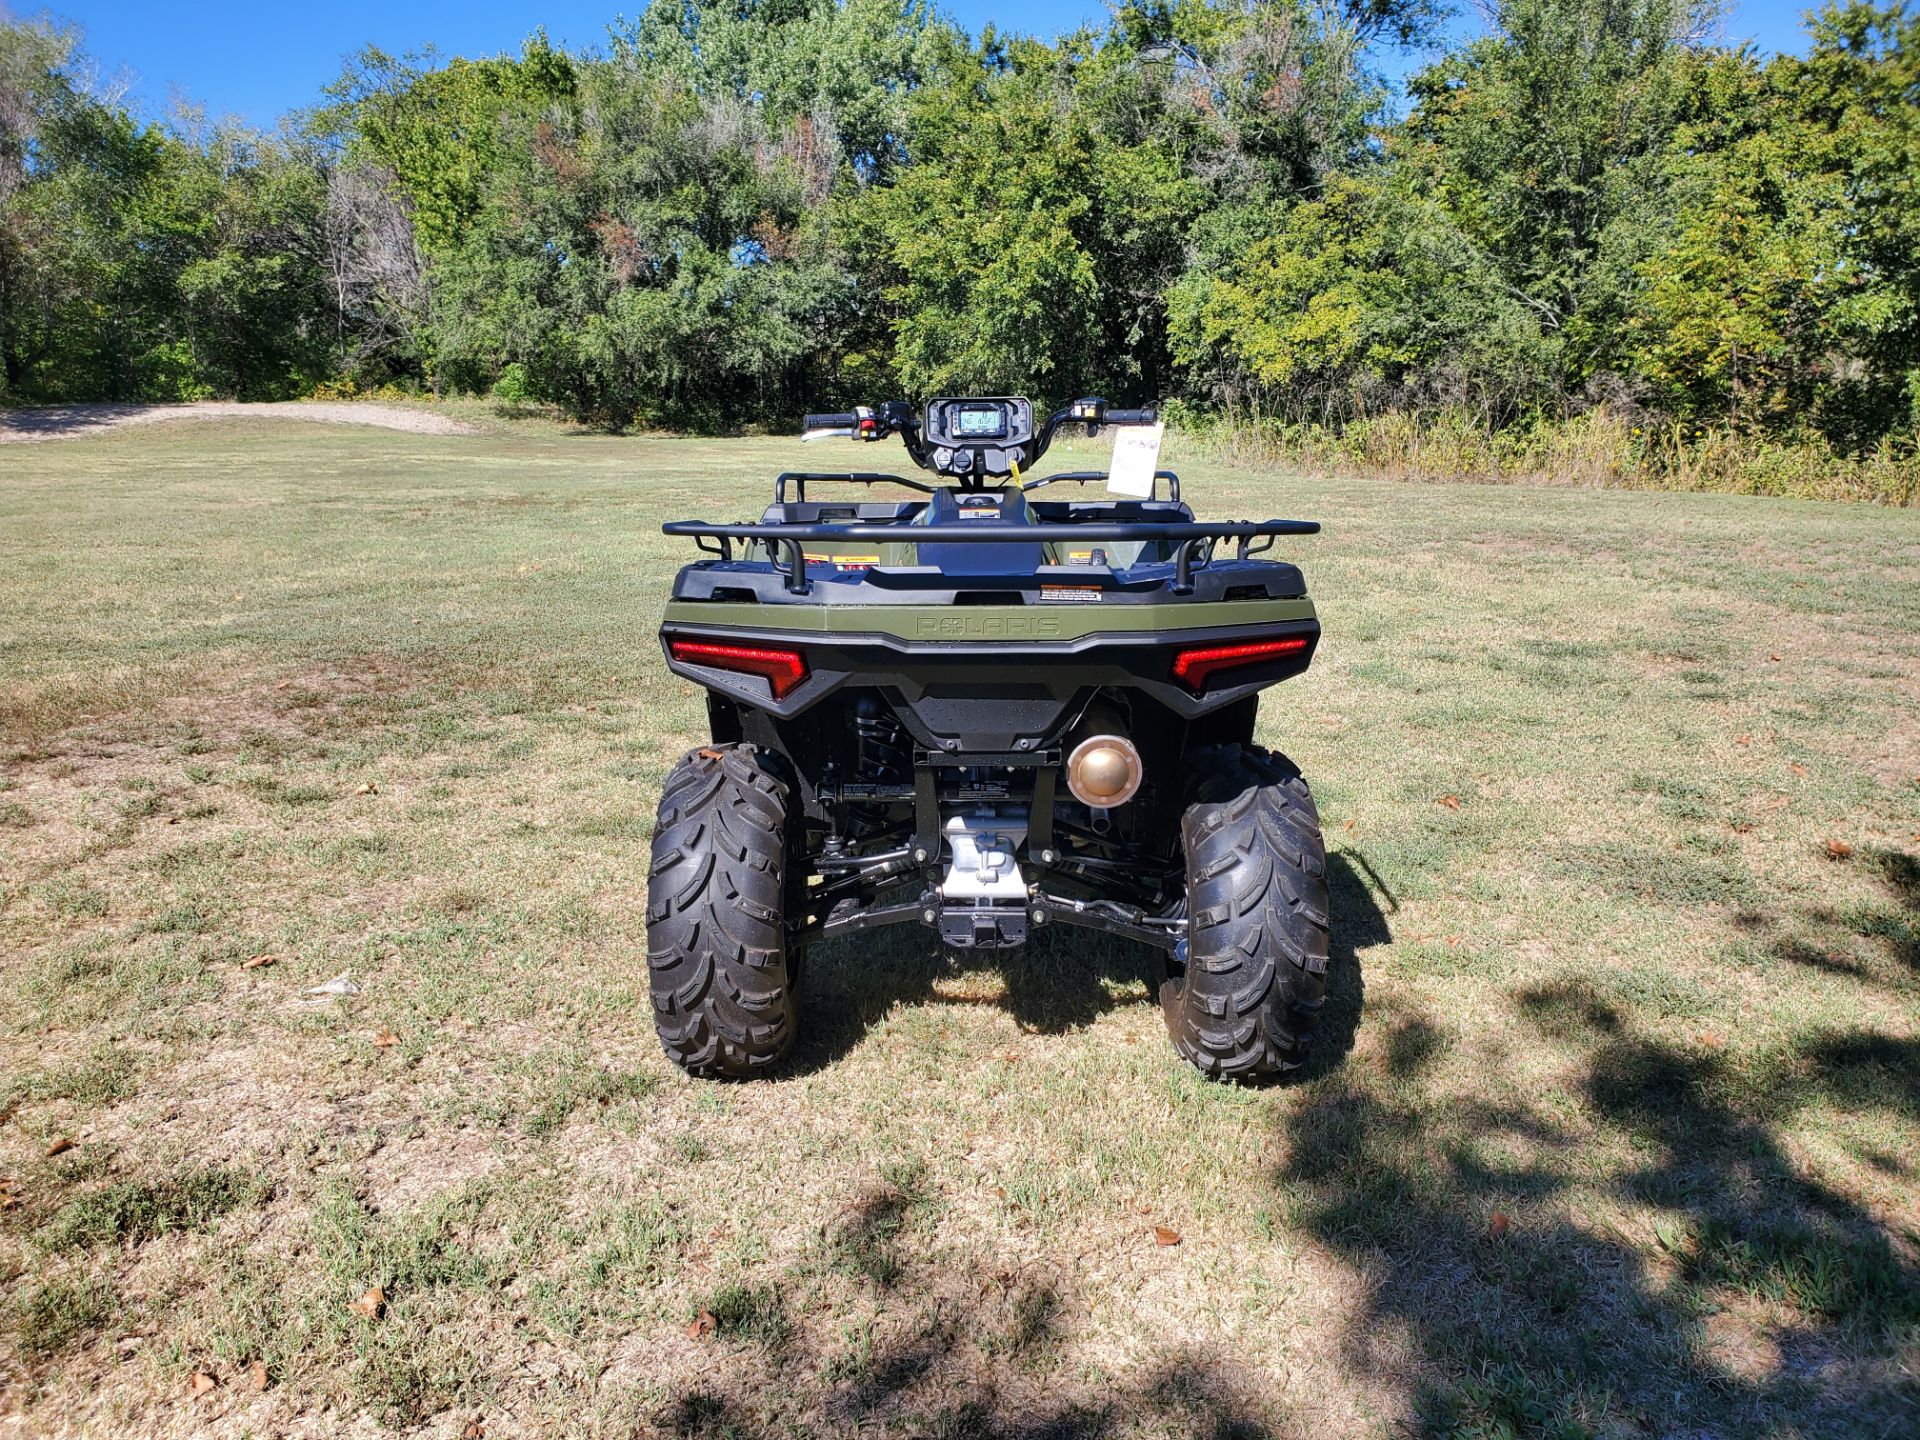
point(979, 422)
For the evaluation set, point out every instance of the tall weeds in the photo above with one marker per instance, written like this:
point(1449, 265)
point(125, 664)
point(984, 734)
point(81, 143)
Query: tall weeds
point(1598, 449)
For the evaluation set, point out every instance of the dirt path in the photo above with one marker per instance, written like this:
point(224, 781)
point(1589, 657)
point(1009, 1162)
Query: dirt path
point(61, 422)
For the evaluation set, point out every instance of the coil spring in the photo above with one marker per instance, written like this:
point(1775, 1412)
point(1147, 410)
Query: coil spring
point(877, 739)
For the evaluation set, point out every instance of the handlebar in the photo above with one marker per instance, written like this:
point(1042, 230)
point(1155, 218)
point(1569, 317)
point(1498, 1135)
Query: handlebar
point(896, 417)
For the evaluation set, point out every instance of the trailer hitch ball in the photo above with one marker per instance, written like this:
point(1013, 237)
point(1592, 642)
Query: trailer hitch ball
point(1104, 771)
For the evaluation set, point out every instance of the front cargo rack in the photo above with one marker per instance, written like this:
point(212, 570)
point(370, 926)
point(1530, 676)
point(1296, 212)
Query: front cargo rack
point(800, 479)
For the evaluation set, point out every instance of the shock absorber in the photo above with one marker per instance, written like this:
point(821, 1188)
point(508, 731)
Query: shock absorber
point(881, 755)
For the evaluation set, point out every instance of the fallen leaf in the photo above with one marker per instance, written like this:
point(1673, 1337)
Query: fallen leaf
point(701, 1325)
point(386, 1038)
point(1743, 739)
point(1838, 849)
point(1498, 1226)
point(1165, 1235)
point(1452, 802)
point(8, 1200)
point(284, 685)
point(1712, 1039)
point(368, 787)
point(476, 1429)
point(259, 1373)
point(1741, 827)
point(373, 1304)
point(1348, 827)
point(1797, 768)
point(61, 1146)
point(203, 1382)
point(706, 753)
point(259, 962)
point(1453, 942)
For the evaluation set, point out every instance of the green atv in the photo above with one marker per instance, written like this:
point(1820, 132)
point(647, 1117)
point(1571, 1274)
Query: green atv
point(986, 712)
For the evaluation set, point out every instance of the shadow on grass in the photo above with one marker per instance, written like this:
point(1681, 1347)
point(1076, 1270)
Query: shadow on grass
point(1065, 979)
point(971, 1368)
point(58, 420)
point(1757, 1300)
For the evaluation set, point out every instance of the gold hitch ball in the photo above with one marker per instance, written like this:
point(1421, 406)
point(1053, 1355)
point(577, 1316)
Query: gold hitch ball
point(1104, 771)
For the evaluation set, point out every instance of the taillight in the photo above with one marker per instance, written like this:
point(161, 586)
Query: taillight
point(1193, 668)
point(783, 669)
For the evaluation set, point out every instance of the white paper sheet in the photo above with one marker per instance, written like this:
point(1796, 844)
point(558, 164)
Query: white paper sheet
point(1136, 455)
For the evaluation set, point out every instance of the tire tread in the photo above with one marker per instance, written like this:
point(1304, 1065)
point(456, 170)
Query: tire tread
point(716, 915)
point(1257, 900)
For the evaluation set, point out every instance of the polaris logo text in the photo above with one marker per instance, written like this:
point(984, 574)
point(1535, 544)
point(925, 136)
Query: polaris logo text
point(962, 626)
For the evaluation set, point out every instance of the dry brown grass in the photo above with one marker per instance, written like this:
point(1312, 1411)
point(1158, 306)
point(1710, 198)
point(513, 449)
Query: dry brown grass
point(1624, 996)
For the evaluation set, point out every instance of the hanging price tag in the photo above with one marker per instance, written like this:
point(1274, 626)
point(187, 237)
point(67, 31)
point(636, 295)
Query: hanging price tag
point(1136, 455)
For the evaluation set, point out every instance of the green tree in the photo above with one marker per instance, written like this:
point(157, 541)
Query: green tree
point(1542, 146)
point(1785, 292)
point(438, 132)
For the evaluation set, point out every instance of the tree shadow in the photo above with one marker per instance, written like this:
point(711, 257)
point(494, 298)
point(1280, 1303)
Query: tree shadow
point(972, 1369)
point(59, 420)
point(1065, 979)
point(1357, 922)
point(953, 1346)
point(1464, 1216)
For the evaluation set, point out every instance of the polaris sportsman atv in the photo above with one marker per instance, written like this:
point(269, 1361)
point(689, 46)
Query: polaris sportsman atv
point(986, 711)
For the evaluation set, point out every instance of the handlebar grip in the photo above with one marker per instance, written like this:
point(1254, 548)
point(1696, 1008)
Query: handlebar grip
point(1132, 417)
point(831, 421)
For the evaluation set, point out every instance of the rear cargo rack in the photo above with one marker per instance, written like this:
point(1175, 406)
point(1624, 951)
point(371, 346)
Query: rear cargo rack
point(1193, 537)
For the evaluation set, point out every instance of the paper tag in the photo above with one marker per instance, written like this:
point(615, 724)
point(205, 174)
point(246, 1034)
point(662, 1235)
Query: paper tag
point(1136, 455)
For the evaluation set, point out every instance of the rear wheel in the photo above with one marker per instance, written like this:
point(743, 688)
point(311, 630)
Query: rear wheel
point(717, 955)
point(1245, 1002)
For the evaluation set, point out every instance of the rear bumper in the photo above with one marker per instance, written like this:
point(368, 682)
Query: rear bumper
point(998, 675)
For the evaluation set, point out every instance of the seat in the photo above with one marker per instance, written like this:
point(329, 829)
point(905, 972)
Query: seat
point(840, 512)
point(1117, 555)
point(990, 558)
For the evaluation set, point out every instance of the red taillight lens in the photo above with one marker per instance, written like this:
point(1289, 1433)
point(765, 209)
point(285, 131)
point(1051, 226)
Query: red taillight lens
point(783, 669)
point(1193, 668)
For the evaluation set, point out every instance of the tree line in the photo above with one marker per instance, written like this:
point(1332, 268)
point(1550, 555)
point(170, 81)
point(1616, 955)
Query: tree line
point(732, 212)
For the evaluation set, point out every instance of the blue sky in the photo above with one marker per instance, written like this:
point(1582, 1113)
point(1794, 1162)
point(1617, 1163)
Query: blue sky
point(260, 59)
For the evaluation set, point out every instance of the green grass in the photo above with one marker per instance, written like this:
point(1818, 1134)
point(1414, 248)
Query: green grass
point(393, 705)
point(129, 1212)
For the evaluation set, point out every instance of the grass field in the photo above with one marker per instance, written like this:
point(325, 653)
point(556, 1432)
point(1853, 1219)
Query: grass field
point(1615, 1127)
